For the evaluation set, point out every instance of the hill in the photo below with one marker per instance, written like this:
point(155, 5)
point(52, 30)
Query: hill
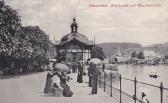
point(116, 48)
point(162, 49)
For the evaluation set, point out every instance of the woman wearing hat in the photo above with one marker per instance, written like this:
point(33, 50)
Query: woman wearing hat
point(80, 73)
point(49, 82)
point(52, 81)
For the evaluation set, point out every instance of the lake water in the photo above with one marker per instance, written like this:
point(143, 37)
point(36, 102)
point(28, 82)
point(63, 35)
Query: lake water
point(141, 72)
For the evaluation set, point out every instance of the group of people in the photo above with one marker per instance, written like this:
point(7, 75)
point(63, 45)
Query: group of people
point(93, 73)
point(56, 82)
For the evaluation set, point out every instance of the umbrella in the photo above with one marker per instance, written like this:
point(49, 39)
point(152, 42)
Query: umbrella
point(68, 63)
point(52, 60)
point(95, 61)
point(61, 67)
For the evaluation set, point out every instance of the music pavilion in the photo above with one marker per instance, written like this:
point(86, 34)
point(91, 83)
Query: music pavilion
point(76, 45)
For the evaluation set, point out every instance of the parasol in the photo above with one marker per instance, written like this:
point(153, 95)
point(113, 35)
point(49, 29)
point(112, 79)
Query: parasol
point(95, 61)
point(61, 67)
point(69, 63)
point(52, 60)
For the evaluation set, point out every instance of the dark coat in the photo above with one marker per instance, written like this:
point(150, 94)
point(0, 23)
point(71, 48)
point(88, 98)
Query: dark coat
point(49, 81)
point(95, 74)
point(80, 74)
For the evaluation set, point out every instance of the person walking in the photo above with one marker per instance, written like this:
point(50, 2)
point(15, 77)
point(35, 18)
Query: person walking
point(95, 73)
point(57, 89)
point(90, 73)
point(74, 67)
point(53, 82)
point(103, 67)
point(66, 88)
point(80, 73)
point(49, 82)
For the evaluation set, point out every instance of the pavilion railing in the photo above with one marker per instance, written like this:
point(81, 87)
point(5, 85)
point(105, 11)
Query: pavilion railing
point(106, 82)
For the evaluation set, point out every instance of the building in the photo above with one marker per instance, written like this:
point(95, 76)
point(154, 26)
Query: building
point(151, 57)
point(76, 45)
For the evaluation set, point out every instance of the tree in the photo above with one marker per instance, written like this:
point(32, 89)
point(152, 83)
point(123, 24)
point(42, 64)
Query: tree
point(10, 23)
point(134, 54)
point(27, 48)
point(38, 48)
point(141, 55)
point(97, 52)
point(52, 50)
point(61, 56)
point(166, 56)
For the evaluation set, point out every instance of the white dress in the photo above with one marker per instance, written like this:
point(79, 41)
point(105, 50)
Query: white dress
point(56, 87)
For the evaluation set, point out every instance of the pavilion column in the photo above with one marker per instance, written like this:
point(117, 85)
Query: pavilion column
point(77, 50)
point(84, 56)
point(88, 53)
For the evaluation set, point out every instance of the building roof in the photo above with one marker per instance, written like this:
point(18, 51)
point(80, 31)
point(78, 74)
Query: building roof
point(74, 35)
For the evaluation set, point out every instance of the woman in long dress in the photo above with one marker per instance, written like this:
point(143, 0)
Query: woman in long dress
point(80, 73)
point(66, 88)
point(57, 89)
point(49, 82)
point(74, 67)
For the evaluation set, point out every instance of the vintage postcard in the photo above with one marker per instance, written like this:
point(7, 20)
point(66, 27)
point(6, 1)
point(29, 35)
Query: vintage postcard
point(83, 51)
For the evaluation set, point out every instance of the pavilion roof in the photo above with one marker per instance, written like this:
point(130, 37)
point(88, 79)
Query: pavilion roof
point(77, 36)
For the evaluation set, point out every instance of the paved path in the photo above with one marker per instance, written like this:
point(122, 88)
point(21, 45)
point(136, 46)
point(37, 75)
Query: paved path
point(29, 89)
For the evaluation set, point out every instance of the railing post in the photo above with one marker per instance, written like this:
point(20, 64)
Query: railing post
point(135, 82)
point(120, 89)
point(111, 84)
point(104, 81)
point(161, 92)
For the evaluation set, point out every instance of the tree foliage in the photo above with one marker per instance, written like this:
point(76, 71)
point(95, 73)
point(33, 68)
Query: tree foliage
point(22, 49)
point(97, 52)
point(166, 56)
point(141, 55)
point(9, 26)
point(38, 40)
point(134, 54)
point(61, 56)
point(52, 50)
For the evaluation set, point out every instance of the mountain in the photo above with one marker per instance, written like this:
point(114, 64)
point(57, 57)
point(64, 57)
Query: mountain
point(162, 49)
point(116, 48)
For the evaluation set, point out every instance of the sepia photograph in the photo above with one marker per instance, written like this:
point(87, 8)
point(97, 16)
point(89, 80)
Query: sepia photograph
point(83, 51)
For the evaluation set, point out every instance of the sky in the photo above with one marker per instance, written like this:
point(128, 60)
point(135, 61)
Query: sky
point(145, 25)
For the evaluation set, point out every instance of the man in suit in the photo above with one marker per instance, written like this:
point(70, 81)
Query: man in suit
point(90, 73)
point(95, 74)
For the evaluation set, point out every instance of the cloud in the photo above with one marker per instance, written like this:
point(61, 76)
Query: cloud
point(143, 25)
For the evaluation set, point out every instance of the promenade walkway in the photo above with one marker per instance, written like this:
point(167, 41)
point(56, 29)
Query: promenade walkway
point(29, 89)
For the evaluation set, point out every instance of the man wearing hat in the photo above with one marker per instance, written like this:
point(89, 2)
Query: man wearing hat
point(95, 73)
